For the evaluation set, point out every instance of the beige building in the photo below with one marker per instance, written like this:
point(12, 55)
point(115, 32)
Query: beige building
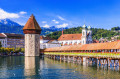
point(47, 42)
point(12, 40)
point(3, 40)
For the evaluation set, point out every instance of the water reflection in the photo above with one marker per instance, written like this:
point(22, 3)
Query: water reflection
point(88, 72)
point(29, 66)
point(36, 68)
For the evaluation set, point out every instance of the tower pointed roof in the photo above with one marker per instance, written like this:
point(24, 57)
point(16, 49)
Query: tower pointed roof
point(84, 26)
point(32, 24)
point(89, 27)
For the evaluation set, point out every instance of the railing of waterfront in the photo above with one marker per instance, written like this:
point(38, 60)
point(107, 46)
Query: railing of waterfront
point(87, 54)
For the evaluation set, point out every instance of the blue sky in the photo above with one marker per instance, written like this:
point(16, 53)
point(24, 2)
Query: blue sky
point(63, 13)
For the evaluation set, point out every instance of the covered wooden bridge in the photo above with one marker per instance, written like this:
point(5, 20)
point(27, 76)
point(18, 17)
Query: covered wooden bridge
point(107, 51)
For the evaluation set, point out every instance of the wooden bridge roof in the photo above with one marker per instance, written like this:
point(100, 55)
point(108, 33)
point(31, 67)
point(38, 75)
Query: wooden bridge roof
point(93, 46)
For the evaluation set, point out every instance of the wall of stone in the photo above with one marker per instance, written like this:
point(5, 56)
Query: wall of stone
point(32, 44)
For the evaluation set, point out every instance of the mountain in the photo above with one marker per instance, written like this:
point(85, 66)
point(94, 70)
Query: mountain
point(9, 26)
point(50, 30)
point(8, 22)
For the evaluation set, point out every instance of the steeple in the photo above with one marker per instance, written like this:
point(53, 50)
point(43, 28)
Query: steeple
point(32, 26)
point(89, 27)
point(84, 34)
point(84, 26)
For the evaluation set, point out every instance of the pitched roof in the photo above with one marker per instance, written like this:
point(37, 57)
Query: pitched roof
point(70, 37)
point(93, 46)
point(14, 35)
point(32, 24)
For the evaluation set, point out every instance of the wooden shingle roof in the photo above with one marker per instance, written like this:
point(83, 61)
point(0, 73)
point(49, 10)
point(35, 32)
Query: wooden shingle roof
point(32, 24)
point(93, 46)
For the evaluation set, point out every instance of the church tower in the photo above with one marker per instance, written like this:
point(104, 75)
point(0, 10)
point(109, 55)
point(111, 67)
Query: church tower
point(32, 32)
point(84, 34)
point(89, 34)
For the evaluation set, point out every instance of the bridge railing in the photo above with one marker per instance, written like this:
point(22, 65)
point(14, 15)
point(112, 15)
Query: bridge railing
point(88, 54)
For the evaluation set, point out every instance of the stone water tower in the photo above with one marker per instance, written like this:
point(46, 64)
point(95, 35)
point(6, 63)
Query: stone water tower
point(32, 32)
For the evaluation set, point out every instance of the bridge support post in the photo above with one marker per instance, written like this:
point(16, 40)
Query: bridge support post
point(64, 58)
point(109, 62)
point(73, 58)
point(114, 63)
point(60, 58)
point(78, 59)
point(87, 60)
point(68, 59)
point(98, 60)
point(54, 57)
point(84, 61)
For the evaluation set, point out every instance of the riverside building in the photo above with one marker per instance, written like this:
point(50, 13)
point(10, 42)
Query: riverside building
point(3, 40)
point(12, 40)
point(47, 42)
point(77, 39)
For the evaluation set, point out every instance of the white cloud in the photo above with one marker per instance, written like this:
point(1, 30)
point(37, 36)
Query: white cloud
point(61, 18)
point(44, 22)
point(55, 21)
point(62, 25)
point(4, 14)
point(23, 12)
point(46, 26)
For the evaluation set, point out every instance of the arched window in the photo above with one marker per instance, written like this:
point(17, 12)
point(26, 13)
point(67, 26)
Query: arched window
point(83, 33)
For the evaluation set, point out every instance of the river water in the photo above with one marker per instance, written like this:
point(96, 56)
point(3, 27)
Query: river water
point(16, 67)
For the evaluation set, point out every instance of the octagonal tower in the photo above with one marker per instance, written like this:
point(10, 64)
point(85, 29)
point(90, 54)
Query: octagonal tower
point(32, 32)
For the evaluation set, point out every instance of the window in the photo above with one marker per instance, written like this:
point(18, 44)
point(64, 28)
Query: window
point(83, 33)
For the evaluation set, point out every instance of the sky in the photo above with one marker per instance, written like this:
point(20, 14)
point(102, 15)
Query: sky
point(63, 13)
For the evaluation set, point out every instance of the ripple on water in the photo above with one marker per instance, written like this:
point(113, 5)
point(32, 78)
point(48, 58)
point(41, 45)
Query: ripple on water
point(34, 68)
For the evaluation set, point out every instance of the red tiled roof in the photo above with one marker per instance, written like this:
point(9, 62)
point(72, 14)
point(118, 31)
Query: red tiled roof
point(70, 37)
point(92, 46)
point(32, 24)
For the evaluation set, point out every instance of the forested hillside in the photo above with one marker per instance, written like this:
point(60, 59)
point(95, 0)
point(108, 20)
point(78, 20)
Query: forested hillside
point(97, 33)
